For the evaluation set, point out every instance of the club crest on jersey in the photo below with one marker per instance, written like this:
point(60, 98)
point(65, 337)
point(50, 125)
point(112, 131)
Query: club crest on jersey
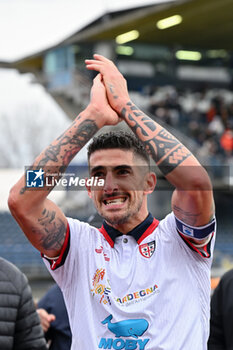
point(147, 249)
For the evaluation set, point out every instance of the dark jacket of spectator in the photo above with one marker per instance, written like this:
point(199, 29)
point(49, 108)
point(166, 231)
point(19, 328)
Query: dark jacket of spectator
point(59, 333)
point(221, 321)
point(20, 327)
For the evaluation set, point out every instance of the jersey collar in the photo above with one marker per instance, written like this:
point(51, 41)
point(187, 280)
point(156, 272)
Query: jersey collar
point(140, 232)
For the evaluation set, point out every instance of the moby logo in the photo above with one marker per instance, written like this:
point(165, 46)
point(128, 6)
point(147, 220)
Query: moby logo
point(126, 328)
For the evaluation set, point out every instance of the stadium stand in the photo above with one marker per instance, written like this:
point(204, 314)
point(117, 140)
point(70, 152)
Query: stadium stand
point(205, 116)
point(16, 248)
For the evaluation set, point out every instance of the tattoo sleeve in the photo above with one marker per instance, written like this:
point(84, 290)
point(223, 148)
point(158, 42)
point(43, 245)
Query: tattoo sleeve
point(164, 148)
point(68, 144)
point(51, 230)
point(186, 216)
point(57, 156)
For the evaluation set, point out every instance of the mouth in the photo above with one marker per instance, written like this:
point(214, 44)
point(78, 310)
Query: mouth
point(114, 201)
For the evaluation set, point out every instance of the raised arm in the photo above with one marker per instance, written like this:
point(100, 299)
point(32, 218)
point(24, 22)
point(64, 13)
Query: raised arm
point(41, 220)
point(192, 200)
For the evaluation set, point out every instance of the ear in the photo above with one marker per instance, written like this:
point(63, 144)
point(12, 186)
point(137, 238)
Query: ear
point(150, 183)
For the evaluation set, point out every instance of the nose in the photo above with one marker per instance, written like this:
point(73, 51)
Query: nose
point(110, 183)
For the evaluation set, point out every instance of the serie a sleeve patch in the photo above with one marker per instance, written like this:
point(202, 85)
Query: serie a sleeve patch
point(198, 233)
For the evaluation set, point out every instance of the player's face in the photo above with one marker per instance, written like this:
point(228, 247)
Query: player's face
point(123, 198)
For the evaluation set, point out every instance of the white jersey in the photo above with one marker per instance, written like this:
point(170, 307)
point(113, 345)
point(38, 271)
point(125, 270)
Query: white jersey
point(144, 290)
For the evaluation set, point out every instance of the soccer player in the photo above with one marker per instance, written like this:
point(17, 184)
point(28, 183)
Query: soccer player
point(135, 283)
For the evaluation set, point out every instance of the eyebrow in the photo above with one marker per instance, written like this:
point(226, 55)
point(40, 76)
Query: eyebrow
point(102, 167)
point(124, 166)
point(96, 168)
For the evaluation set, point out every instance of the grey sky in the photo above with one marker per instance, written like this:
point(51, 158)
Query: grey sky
point(28, 26)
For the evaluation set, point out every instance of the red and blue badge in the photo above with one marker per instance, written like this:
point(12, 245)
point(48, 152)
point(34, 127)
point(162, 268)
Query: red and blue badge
point(147, 249)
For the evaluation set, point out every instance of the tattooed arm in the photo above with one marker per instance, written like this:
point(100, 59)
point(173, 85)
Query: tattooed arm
point(41, 220)
point(192, 200)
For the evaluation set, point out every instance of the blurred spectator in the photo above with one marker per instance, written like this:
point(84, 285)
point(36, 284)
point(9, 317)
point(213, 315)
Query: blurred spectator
point(205, 116)
point(211, 113)
point(221, 321)
point(216, 126)
point(226, 142)
point(20, 327)
point(54, 319)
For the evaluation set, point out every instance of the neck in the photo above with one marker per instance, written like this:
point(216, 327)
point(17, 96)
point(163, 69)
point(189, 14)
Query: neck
point(130, 224)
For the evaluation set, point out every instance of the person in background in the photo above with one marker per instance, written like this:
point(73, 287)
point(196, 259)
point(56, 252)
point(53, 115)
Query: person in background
point(20, 327)
point(221, 320)
point(54, 319)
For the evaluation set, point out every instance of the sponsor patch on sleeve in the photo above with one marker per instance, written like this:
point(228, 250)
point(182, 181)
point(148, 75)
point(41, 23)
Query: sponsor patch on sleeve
point(200, 233)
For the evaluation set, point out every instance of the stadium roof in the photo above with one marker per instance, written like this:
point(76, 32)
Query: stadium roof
point(205, 24)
